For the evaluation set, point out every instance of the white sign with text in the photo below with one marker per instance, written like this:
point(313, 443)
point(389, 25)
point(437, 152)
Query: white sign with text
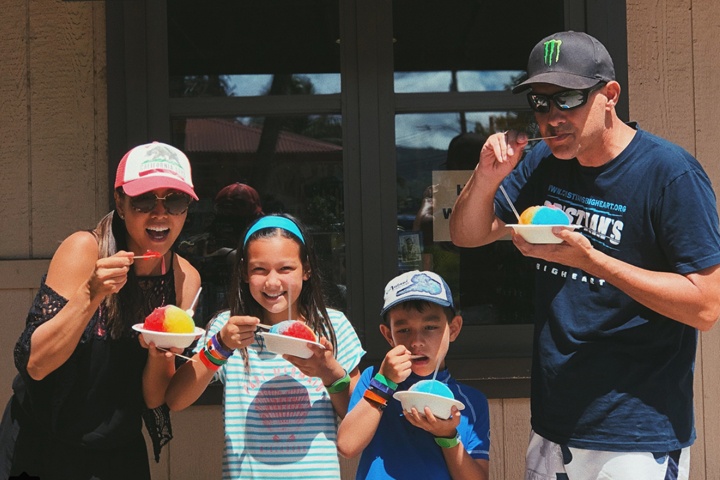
point(447, 185)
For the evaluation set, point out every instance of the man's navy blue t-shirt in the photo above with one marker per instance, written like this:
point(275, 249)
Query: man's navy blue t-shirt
point(609, 373)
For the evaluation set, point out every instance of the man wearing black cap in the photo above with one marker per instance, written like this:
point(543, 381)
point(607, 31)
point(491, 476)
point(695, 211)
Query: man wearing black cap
point(619, 302)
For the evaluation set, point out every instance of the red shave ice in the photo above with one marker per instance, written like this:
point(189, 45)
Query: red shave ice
point(294, 328)
point(155, 320)
point(152, 254)
point(169, 319)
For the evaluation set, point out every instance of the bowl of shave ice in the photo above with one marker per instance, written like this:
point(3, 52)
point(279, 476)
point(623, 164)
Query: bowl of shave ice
point(290, 337)
point(432, 394)
point(537, 222)
point(169, 327)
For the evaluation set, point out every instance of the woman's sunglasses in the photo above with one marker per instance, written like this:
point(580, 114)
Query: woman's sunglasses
point(174, 203)
point(565, 100)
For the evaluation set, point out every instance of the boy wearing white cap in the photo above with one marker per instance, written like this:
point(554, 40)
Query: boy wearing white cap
point(419, 322)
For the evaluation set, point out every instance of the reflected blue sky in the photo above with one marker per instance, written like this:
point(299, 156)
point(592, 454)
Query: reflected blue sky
point(434, 130)
point(255, 85)
point(437, 129)
point(467, 81)
point(405, 82)
point(412, 130)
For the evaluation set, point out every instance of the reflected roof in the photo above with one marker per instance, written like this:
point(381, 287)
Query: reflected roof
point(228, 136)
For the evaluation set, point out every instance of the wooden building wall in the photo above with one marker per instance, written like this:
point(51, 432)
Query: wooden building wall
point(53, 147)
point(54, 181)
point(674, 73)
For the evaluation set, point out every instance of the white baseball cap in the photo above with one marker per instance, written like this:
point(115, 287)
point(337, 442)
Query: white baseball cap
point(417, 285)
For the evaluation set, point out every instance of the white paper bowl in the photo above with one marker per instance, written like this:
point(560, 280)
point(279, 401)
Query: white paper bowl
point(166, 339)
point(539, 234)
point(440, 406)
point(286, 345)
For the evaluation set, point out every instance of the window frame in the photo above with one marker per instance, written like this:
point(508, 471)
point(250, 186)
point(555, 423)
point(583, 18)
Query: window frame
point(140, 110)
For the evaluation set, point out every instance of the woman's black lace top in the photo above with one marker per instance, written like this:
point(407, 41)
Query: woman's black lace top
point(95, 398)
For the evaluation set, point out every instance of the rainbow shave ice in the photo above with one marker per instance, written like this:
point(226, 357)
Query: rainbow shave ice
point(170, 319)
point(543, 215)
point(295, 329)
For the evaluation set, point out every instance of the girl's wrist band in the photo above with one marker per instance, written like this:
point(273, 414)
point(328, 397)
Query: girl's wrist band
point(339, 385)
point(220, 346)
point(374, 399)
point(205, 359)
point(445, 442)
point(214, 355)
point(385, 381)
point(381, 387)
point(213, 358)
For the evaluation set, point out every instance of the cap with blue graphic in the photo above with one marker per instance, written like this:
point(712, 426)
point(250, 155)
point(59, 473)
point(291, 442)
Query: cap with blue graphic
point(417, 285)
point(572, 60)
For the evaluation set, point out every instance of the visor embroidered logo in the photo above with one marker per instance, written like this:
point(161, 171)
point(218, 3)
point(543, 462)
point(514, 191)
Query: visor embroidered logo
point(421, 284)
point(552, 49)
point(161, 155)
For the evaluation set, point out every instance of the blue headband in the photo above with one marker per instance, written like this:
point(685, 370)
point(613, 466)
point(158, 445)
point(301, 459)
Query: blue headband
point(273, 221)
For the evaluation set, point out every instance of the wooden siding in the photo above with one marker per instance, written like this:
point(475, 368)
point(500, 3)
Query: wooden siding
point(673, 73)
point(54, 181)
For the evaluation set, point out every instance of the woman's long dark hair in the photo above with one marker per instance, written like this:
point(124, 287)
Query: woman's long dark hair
point(311, 302)
point(110, 234)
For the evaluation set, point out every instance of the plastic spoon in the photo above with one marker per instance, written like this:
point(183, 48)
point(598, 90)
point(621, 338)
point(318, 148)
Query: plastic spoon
point(176, 354)
point(437, 367)
point(153, 254)
point(191, 311)
point(507, 197)
point(289, 307)
point(442, 353)
point(541, 138)
point(148, 254)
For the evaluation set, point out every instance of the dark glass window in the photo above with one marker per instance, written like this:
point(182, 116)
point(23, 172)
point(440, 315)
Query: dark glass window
point(249, 166)
point(244, 48)
point(467, 45)
point(461, 46)
point(436, 154)
point(347, 114)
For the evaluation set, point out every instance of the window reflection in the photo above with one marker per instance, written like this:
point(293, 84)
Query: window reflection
point(273, 47)
point(254, 85)
point(455, 81)
point(244, 167)
point(435, 157)
point(457, 46)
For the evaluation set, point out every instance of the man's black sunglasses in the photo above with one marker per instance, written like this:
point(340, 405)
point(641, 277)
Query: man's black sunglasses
point(175, 203)
point(565, 100)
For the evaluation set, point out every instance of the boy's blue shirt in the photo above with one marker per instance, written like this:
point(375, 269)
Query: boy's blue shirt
point(400, 450)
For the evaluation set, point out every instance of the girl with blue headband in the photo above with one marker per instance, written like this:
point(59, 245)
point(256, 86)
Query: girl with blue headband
point(280, 410)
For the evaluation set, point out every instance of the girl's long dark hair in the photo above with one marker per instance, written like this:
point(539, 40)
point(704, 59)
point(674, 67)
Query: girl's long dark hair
point(311, 302)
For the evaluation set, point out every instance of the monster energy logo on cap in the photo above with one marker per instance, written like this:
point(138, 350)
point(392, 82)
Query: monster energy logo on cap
point(585, 62)
point(552, 48)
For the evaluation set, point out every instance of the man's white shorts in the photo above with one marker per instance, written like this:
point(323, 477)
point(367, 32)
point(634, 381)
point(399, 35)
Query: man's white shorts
point(546, 460)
